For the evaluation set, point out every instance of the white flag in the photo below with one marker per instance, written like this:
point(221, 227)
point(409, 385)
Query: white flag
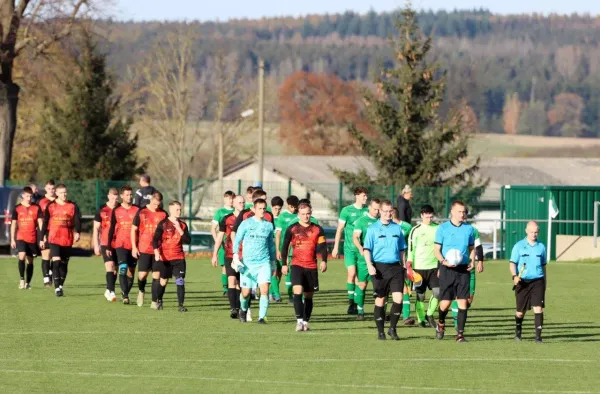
point(552, 208)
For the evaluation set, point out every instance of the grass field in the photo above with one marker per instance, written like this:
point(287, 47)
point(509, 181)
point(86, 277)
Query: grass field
point(81, 343)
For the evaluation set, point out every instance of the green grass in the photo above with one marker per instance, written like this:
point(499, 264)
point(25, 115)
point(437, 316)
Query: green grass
point(81, 343)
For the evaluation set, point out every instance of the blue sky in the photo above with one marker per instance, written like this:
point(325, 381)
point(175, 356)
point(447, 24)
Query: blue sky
point(227, 9)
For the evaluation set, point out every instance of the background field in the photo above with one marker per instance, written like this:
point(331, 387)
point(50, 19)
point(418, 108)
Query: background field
point(81, 343)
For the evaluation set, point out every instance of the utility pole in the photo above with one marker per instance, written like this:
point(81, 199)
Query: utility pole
point(221, 153)
point(261, 113)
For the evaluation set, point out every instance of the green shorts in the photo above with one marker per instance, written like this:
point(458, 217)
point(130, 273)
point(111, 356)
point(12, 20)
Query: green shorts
point(362, 271)
point(350, 257)
point(221, 256)
point(472, 283)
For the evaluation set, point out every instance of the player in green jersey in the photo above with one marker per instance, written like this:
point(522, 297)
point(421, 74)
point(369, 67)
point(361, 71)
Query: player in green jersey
point(348, 217)
point(362, 271)
point(422, 260)
point(405, 227)
point(274, 295)
point(218, 216)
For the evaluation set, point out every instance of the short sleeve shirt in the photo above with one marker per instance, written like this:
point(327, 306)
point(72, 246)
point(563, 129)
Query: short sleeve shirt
point(456, 237)
point(533, 257)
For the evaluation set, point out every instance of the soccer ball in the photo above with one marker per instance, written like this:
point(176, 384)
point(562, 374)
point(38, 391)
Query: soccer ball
point(454, 257)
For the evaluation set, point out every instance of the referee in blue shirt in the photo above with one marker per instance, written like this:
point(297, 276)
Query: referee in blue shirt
point(528, 269)
point(454, 244)
point(384, 248)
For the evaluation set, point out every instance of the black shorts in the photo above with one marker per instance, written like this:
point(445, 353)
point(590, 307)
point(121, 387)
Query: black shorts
point(388, 279)
point(30, 249)
point(229, 271)
point(64, 252)
point(107, 258)
point(430, 280)
point(308, 278)
point(530, 293)
point(454, 283)
point(174, 268)
point(125, 256)
point(147, 263)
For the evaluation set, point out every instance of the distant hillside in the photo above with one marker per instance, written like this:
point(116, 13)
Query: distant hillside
point(523, 74)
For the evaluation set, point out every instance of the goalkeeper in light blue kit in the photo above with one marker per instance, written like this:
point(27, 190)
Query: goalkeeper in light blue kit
point(258, 259)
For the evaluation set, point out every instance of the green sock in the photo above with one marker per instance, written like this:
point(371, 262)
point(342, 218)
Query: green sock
point(288, 282)
point(420, 309)
point(433, 306)
point(454, 308)
point(274, 288)
point(405, 306)
point(224, 280)
point(359, 300)
point(350, 288)
point(244, 303)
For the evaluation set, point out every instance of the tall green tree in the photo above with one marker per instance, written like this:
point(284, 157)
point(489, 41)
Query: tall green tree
point(85, 134)
point(408, 142)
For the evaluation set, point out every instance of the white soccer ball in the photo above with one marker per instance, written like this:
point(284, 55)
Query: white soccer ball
point(454, 257)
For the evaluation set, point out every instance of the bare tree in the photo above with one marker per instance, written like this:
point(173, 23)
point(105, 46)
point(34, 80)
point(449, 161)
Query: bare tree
point(33, 26)
point(173, 102)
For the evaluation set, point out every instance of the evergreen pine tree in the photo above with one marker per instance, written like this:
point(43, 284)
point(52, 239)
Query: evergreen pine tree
point(85, 136)
point(408, 142)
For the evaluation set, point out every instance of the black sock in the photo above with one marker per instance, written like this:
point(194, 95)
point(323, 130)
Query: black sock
point(379, 315)
point(518, 325)
point(155, 286)
point(55, 273)
point(180, 294)
point(22, 269)
point(298, 306)
point(129, 284)
point(113, 282)
point(45, 268)
point(395, 314)
point(142, 285)
point(109, 276)
point(249, 300)
point(237, 299)
point(308, 307)
point(231, 297)
point(462, 320)
point(442, 317)
point(123, 284)
point(539, 322)
point(161, 291)
point(29, 270)
point(64, 270)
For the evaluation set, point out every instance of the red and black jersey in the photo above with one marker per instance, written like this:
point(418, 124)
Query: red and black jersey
point(146, 221)
point(169, 242)
point(120, 226)
point(103, 217)
point(248, 213)
point(44, 203)
point(306, 242)
point(61, 221)
point(27, 222)
point(226, 226)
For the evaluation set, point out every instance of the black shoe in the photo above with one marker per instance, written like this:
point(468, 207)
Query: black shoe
point(381, 336)
point(518, 335)
point(423, 324)
point(392, 333)
point(439, 330)
point(126, 300)
point(262, 321)
point(431, 321)
point(159, 305)
point(350, 310)
point(360, 317)
point(278, 300)
point(460, 338)
point(233, 313)
point(539, 340)
point(59, 293)
point(243, 316)
point(182, 308)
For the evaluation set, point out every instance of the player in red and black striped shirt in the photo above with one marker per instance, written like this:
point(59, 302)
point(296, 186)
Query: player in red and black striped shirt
point(101, 243)
point(170, 235)
point(43, 203)
point(60, 229)
point(307, 240)
point(120, 235)
point(142, 233)
point(26, 220)
point(233, 278)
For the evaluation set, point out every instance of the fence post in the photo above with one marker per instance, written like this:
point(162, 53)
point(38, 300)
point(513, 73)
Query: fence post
point(189, 190)
point(495, 241)
point(447, 206)
point(340, 196)
point(502, 223)
point(97, 194)
point(239, 187)
point(289, 187)
point(393, 194)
